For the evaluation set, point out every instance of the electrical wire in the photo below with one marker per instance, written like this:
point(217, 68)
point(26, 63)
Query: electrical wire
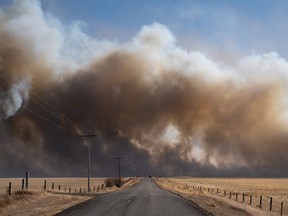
point(71, 124)
point(51, 122)
point(57, 114)
point(68, 120)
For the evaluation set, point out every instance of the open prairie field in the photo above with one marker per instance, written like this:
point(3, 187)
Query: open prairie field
point(277, 188)
point(38, 183)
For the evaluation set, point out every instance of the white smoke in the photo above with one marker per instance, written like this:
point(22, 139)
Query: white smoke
point(12, 99)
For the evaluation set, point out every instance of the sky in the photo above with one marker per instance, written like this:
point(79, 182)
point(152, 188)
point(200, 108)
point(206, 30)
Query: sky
point(246, 26)
point(190, 88)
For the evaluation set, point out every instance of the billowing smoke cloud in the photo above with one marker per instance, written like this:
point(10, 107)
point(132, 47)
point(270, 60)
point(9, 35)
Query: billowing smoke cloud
point(12, 99)
point(166, 110)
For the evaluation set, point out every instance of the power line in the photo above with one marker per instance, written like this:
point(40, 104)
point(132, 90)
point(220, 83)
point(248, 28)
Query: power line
point(54, 113)
point(43, 118)
point(62, 116)
point(68, 120)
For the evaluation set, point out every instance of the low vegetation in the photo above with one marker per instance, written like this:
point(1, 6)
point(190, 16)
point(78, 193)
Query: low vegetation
point(6, 200)
point(111, 182)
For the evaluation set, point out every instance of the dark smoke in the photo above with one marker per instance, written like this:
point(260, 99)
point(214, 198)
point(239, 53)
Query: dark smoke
point(166, 110)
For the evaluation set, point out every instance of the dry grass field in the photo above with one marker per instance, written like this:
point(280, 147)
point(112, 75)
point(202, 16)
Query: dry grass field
point(36, 201)
point(32, 203)
point(37, 184)
point(272, 187)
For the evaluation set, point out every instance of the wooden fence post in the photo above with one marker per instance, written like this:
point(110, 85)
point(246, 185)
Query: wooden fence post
point(230, 195)
point(217, 190)
point(69, 190)
point(23, 183)
point(52, 185)
point(243, 197)
point(9, 188)
point(270, 204)
point(27, 180)
point(59, 187)
point(250, 199)
point(261, 201)
point(45, 185)
point(281, 210)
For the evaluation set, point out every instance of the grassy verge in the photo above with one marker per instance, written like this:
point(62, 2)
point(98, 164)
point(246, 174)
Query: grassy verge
point(212, 204)
point(48, 203)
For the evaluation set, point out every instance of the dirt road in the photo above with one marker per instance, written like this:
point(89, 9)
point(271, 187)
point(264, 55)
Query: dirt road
point(143, 199)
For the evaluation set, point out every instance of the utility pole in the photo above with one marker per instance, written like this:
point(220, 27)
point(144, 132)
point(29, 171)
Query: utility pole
point(130, 167)
point(88, 137)
point(119, 158)
point(135, 174)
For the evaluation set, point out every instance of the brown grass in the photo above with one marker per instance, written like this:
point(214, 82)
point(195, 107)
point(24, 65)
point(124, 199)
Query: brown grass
point(39, 202)
point(38, 183)
point(275, 188)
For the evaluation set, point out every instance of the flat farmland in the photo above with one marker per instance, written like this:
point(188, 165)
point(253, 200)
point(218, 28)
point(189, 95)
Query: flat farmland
point(277, 188)
point(38, 183)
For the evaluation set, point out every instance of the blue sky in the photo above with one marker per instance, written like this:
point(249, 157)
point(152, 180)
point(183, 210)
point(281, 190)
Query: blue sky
point(243, 26)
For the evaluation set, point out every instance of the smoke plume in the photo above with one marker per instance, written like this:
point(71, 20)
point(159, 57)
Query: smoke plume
point(166, 110)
